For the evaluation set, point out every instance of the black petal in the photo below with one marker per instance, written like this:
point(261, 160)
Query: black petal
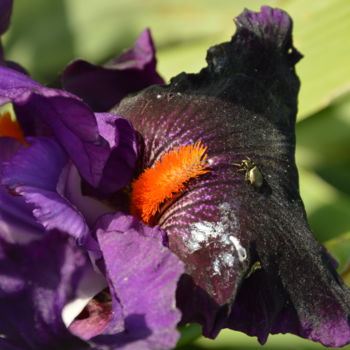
point(243, 106)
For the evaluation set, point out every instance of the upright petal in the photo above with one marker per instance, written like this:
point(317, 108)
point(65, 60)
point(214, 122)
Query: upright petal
point(73, 124)
point(121, 137)
point(243, 223)
point(104, 86)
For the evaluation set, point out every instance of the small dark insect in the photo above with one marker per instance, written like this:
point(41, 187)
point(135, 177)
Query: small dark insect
point(252, 173)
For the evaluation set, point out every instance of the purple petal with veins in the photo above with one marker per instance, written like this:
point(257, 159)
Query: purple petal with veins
point(34, 173)
point(51, 112)
point(142, 275)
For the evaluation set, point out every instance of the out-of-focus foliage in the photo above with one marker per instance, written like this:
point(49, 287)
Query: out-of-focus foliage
point(239, 341)
point(323, 144)
point(45, 35)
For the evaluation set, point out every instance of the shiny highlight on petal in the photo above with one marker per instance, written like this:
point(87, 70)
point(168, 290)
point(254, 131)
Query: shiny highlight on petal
point(166, 179)
point(10, 127)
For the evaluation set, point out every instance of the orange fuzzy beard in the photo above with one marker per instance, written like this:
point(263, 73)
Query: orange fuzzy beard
point(166, 179)
point(10, 128)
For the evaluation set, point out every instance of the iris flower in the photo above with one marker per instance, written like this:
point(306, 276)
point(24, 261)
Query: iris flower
point(252, 263)
point(76, 272)
point(103, 210)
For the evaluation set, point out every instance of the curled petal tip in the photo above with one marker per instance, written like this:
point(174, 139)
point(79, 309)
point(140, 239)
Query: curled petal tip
point(272, 26)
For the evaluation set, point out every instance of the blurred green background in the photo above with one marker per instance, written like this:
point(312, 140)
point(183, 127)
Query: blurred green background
point(45, 35)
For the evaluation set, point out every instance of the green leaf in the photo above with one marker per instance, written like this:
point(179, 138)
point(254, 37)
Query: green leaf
point(323, 143)
point(39, 37)
point(189, 333)
point(340, 250)
point(231, 340)
point(324, 136)
point(321, 33)
point(327, 208)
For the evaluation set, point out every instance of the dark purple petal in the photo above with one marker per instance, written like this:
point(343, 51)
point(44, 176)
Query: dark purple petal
point(17, 223)
point(70, 120)
point(34, 173)
point(143, 276)
point(36, 281)
point(13, 84)
point(243, 232)
point(5, 14)
point(6, 346)
point(8, 147)
point(124, 223)
point(121, 138)
point(38, 165)
point(75, 127)
point(103, 87)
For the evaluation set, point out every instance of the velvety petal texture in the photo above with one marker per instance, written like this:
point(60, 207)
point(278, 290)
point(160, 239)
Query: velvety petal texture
point(102, 87)
point(251, 261)
point(36, 281)
point(73, 124)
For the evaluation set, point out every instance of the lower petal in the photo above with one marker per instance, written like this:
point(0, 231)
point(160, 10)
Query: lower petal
point(44, 275)
point(143, 276)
